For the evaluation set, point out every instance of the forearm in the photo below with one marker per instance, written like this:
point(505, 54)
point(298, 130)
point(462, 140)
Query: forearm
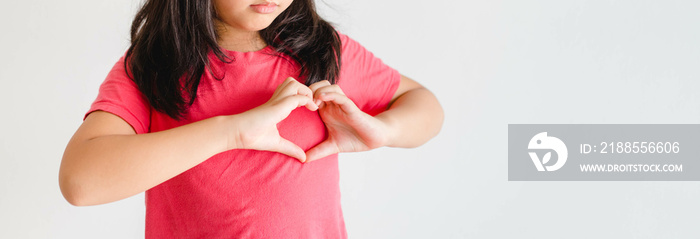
point(113, 167)
point(412, 119)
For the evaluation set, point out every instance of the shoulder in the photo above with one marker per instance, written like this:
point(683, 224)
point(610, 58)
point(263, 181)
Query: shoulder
point(365, 78)
point(119, 95)
point(348, 44)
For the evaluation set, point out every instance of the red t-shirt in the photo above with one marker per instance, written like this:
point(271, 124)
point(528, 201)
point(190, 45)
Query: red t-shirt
point(248, 193)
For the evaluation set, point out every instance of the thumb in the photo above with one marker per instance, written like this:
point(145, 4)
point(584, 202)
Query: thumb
point(286, 147)
point(321, 150)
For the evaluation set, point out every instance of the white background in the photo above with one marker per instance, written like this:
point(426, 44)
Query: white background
point(490, 63)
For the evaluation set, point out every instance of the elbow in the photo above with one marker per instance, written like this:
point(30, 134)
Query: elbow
point(434, 130)
point(80, 183)
point(74, 200)
point(69, 184)
point(74, 187)
point(436, 121)
point(440, 118)
point(75, 182)
point(71, 190)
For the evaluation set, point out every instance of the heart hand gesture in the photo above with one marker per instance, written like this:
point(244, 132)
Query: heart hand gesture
point(258, 127)
point(349, 128)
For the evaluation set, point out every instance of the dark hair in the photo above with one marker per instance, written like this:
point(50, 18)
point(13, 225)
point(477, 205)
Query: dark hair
point(171, 40)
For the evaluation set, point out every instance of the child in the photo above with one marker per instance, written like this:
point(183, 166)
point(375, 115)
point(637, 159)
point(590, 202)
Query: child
point(204, 114)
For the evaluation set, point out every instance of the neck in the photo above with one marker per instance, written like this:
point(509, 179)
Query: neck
point(234, 39)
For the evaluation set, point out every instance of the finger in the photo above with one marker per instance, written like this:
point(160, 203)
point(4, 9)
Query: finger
point(282, 86)
point(290, 149)
point(304, 90)
point(294, 87)
point(287, 87)
point(291, 102)
point(321, 150)
point(339, 99)
point(289, 80)
point(317, 85)
point(283, 107)
point(324, 90)
point(328, 89)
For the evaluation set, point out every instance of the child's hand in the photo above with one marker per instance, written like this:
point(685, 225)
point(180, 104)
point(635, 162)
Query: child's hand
point(257, 128)
point(349, 128)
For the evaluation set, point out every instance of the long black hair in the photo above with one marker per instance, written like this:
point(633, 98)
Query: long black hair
point(171, 40)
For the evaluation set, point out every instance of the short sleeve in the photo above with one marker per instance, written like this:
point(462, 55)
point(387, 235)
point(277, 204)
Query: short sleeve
point(365, 79)
point(119, 95)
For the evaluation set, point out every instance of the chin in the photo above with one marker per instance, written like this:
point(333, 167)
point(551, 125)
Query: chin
point(258, 25)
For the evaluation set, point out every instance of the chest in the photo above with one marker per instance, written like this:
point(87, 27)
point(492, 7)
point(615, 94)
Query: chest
point(236, 88)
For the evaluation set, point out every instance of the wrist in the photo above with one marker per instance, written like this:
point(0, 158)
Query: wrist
point(229, 127)
point(390, 129)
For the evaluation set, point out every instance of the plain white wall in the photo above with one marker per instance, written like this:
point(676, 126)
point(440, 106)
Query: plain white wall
point(491, 63)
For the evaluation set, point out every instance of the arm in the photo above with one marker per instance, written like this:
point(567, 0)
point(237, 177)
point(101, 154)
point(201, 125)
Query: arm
point(107, 161)
point(413, 117)
point(413, 107)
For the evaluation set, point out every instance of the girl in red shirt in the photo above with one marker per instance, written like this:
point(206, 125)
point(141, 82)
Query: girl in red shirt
point(219, 107)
